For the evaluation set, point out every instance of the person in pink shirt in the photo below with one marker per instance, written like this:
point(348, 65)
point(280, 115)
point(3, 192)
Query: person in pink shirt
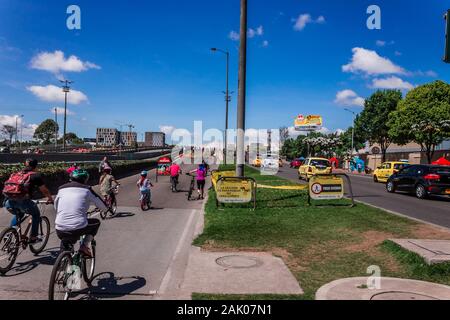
point(175, 172)
point(201, 174)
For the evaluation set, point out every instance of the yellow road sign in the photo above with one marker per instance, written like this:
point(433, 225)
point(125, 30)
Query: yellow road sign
point(326, 188)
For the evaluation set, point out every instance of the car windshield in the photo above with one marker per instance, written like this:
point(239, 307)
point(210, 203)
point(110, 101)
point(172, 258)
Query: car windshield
point(320, 163)
point(399, 166)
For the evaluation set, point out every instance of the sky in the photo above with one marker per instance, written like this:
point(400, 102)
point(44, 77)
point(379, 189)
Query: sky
point(149, 64)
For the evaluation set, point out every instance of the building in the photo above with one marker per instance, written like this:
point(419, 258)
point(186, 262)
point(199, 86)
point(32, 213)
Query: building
point(128, 139)
point(107, 137)
point(155, 139)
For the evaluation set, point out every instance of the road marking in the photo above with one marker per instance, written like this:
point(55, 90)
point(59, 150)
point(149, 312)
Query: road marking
point(167, 277)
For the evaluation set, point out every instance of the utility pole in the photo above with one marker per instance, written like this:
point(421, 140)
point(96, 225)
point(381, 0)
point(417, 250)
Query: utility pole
point(447, 37)
point(353, 130)
point(21, 132)
point(240, 155)
point(56, 130)
point(66, 90)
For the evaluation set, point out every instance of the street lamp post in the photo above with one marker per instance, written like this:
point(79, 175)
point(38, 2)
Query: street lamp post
point(240, 152)
point(227, 100)
point(21, 132)
point(66, 90)
point(353, 129)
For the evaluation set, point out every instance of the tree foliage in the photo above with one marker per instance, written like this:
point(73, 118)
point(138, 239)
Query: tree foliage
point(423, 117)
point(46, 131)
point(9, 132)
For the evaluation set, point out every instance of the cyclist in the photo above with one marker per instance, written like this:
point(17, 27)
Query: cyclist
point(105, 164)
point(106, 184)
point(18, 192)
point(144, 185)
point(200, 175)
point(175, 172)
point(73, 168)
point(72, 204)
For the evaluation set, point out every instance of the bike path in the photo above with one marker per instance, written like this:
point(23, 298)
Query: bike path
point(134, 250)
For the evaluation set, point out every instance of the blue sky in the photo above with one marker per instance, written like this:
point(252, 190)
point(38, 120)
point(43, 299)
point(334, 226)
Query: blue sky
point(148, 63)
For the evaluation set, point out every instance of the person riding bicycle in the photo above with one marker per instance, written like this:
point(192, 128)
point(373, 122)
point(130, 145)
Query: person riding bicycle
point(18, 192)
point(104, 164)
point(106, 184)
point(72, 204)
point(144, 184)
point(175, 172)
point(200, 176)
point(72, 168)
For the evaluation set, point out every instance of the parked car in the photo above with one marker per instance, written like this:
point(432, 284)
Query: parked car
point(296, 163)
point(313, 166)
point(270, 163)
point(257, 162)
point(423, 180)
point(387, 169)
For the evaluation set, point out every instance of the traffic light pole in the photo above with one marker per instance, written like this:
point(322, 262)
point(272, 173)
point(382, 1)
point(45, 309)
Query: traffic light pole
point(447, 37)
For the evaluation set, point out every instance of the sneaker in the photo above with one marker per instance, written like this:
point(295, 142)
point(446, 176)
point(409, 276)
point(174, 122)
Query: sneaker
point(85, 251)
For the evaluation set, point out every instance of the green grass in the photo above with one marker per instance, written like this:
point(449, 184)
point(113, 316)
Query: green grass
point(319, 244)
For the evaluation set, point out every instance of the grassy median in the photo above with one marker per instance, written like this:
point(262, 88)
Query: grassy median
point(318, 244)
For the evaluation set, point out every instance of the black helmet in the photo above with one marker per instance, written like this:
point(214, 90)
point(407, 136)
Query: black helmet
point(32, 163)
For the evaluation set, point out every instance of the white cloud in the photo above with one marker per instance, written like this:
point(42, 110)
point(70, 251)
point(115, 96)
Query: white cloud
point(25, 130)
point(251, 33)
point(60, 111)
point(380, 43)
point(349, 98)
point(370, 63)
point(56, 62)
point(303, 19)
point(265, 44)
point(53, 93)
point(339, 132)
point(391, 83)
point(168, 130)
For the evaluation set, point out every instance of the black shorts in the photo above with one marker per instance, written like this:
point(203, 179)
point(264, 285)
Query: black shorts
point(201, 184)
point(71, 237)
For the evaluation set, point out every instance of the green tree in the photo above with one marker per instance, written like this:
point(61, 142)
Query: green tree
point(9, 132)
point(372, 123)
point(343, 150)
point(46, 131)
point(423, 117)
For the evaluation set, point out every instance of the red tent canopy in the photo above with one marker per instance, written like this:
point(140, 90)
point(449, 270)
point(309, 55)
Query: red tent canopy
point(442, 162)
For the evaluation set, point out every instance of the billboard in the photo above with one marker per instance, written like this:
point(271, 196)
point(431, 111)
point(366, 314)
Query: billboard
point(308, 123)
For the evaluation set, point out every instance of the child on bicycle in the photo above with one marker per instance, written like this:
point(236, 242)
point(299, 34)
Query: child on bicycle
point(144, 184)
point(72, 204)
point(106, 184)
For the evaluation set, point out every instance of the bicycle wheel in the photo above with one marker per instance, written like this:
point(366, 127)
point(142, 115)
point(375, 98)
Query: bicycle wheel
point(60, 280)
point(113, 208)
point(9, 248)
point(44, 234)
point(88, 266)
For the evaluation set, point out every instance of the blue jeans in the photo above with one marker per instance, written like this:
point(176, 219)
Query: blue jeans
point(19, 207)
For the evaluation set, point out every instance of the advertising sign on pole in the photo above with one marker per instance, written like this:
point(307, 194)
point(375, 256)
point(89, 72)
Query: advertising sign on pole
point(308, 123)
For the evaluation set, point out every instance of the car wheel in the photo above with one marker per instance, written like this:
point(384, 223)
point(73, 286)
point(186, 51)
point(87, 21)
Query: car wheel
point(375, 179)
point(421, 193)
point(390, 187)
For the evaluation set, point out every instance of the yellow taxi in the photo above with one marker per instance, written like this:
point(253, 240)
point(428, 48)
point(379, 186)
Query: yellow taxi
point(387, 169)
point(257, 162)
point(313, 166)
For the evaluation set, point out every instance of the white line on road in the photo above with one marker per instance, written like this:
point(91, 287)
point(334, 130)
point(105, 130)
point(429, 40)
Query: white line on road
point(167, 277)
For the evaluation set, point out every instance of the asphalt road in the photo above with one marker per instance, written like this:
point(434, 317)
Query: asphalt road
point(435, 210)
point(140, 255)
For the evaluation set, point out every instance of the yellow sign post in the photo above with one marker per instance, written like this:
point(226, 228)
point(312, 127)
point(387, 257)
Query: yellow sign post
point(236, 190)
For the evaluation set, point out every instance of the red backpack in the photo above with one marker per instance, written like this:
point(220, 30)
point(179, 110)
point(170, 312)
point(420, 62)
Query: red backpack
point(18, 185)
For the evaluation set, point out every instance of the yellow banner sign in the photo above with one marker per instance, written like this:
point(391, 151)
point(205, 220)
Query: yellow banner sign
point(216, 175)
point(308, 123)
point(234, 191)
point(326, 188)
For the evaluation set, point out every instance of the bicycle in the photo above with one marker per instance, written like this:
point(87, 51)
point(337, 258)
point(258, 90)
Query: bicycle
point(174, 184)
point(146, 201)
point(191, 187)
point(12, 239)
point(69, 269)
point(111, 203)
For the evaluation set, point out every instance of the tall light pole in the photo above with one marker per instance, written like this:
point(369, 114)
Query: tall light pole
point(66, 90)
point(227, 100)
point(56, 130)
point(240, 147)
point(353, 129)
point(21, 132)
